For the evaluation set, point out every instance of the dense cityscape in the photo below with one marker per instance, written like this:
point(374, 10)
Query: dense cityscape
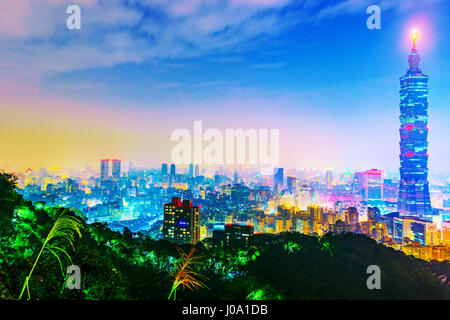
point(192, 205)
point(310, 202)
point(97, 204)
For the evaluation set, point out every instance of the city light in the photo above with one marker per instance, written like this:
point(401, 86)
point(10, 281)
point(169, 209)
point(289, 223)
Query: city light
point(224, 150)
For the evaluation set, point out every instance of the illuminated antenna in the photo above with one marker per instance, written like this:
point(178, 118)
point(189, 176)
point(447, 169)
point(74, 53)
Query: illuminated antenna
point(414, 37)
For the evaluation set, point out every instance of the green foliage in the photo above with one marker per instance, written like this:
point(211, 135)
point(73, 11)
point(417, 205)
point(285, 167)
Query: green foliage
point(334, 267)
point(65, 228)
point(116, 266)
point(264, 293)
point(9, 201)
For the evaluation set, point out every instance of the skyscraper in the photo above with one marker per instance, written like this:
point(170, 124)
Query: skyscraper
point(104, 169)
point(329, 178)
point(372, 184)
point(191, 170)
point(197, 170)
point(116, 169)
point(164, 169)
point(172, 175)
point(414, 195)
point(352, 216)
point(291, 184)
point(278, 177)
point(181, 221)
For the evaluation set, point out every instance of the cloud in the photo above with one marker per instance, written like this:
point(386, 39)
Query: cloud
point(34, 41)
point(274, 65)
point(355, 6)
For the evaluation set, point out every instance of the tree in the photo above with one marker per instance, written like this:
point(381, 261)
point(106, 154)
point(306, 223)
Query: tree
point(9, 200)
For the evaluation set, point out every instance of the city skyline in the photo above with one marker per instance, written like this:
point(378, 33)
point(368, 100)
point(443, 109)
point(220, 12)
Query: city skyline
point(207, 152)
point(72, 113)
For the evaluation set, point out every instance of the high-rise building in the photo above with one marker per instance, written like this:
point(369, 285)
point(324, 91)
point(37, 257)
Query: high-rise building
point(278, 177)
point(115, 172)
point(304, 198)
point(329, 178)
point(370, 184)
point(239, 193)
point(445, 232)
point(373, 214)
point(414, 195)
point(291, 184)
point(415, 229)
point(197, 170)
point(352, 216)
point(172, 175)
point(373, 184)
point(164, 169)
point(359, 182)
point(234, 234)
point(191, 170)
point(316, 213)
point(104, 169)
point(181, 221)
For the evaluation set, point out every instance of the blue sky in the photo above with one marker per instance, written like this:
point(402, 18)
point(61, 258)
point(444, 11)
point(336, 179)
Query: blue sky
point(310, 68)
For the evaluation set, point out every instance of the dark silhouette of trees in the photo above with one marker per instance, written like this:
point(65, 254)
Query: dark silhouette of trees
point(9, 200)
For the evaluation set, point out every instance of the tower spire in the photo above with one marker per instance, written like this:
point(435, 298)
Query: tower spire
point(414, 58)
point(414, 38)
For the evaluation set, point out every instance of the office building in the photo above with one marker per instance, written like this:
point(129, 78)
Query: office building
point(181, 221)
point(373, 184)
point(164, 169)
point(115, 172)
point(104, 169)
point(278, 177)
point(291, 184)
point(197, 170)
point(329, 178)
point(234, 234)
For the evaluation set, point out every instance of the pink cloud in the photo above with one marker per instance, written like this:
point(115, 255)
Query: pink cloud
point(22, 17)
point(13, 17)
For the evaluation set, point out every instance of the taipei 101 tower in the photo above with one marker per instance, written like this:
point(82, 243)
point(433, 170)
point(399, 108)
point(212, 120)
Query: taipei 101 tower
point(414, 194)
